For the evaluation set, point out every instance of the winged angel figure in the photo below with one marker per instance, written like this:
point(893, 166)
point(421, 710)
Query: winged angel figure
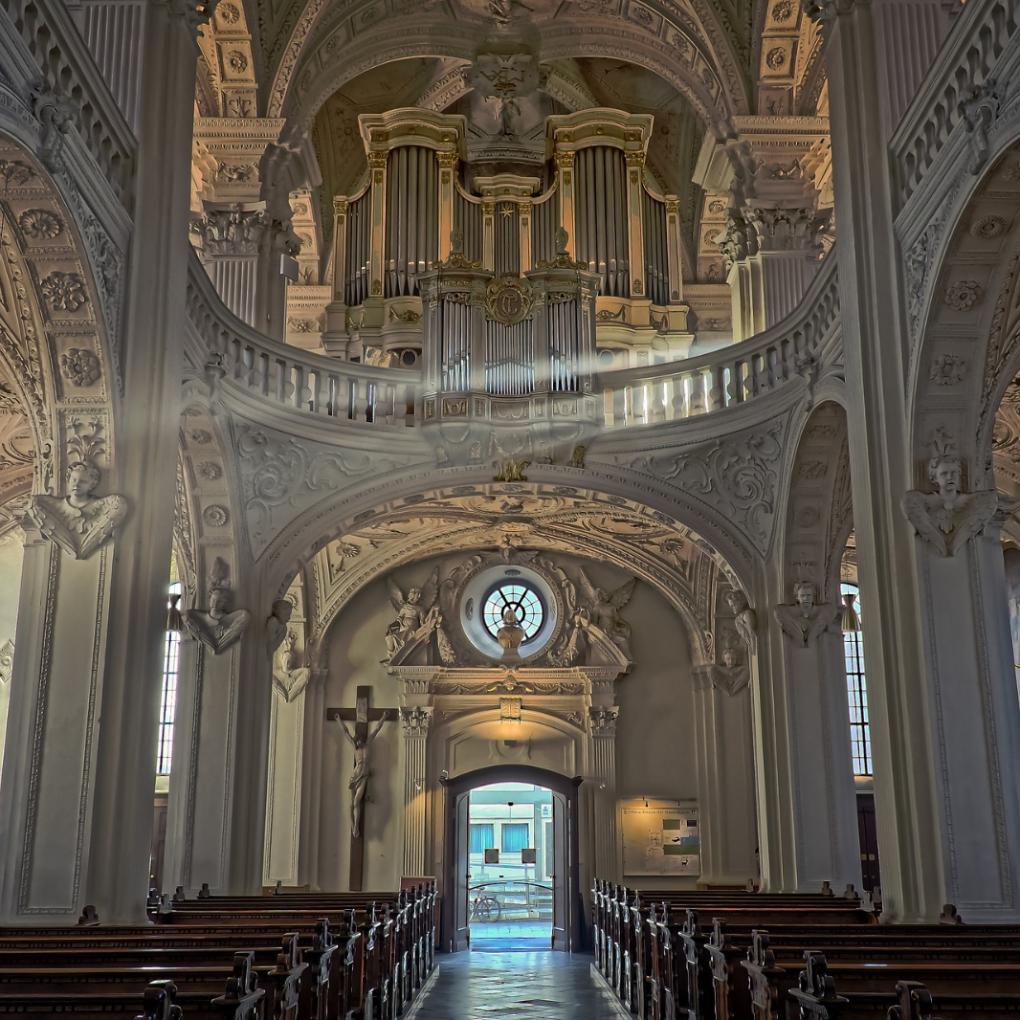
point(604, 609)
point(948, 518)
point(418, 616)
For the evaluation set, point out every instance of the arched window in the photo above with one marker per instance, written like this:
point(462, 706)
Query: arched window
point(168, 701)
point(856, 687)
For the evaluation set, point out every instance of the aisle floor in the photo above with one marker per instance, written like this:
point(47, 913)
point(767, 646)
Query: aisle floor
point(516, 981)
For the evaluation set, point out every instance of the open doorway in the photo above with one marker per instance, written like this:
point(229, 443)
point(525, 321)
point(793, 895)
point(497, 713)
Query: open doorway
point(511, 863)
point(511, 869)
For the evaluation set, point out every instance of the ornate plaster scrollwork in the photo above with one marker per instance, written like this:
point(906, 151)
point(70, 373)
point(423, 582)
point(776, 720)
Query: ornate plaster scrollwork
point(80, 522)
point(947, 519)
point(602, 720)
point(804, 620)
point(218, 627)
point(415, 722)
point(745, 619)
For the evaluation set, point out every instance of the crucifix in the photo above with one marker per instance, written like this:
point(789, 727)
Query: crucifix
point(360, 738)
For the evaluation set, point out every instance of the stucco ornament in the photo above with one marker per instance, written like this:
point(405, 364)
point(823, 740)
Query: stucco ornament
point(418, 618)
point(290, 673)
point(6, 662)
point(732, 675)
point(745, 619)
point(276, 625)
point(947, 519)
point(218, 627)
point(804, 619)
point(80, 521)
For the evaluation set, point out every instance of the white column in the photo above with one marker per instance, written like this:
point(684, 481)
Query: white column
point(943, 734)
point(602, 725)
point(123, 776)
point(415, 724)
point(725, 762)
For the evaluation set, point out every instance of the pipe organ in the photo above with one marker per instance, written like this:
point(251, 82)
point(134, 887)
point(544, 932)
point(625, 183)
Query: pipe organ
point(505, 287)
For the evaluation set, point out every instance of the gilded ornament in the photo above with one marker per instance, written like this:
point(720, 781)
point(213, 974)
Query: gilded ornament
point(509, 300)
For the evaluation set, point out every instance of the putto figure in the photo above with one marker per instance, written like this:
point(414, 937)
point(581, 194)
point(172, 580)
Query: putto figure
point(217, 627)
point(803, 620)
point(948, 518)
point(80, 521)
point(745, 619)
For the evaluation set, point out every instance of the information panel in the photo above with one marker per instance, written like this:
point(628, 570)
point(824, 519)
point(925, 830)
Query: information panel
point(662, 838)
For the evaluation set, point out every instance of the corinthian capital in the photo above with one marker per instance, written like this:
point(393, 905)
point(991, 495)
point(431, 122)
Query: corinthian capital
point(415, 722)
point(603, 721)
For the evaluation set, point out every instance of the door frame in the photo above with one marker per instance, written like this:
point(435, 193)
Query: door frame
point(461, 786)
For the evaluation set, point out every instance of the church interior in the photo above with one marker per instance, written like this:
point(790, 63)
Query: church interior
point(510, 508)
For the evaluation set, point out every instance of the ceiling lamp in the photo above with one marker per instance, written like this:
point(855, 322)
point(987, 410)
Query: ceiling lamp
point(851, 621)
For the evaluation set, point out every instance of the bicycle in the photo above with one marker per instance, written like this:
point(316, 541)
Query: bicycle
point(486, 908)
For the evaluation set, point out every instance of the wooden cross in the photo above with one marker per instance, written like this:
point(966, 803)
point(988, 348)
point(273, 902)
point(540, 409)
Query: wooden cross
point(361, 738)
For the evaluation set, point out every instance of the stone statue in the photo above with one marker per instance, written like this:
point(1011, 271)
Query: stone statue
point(803, 620)
point(359, 778)
point(745, 619)
point(79, 522)
point(947, 519)
point(276, 625)
point(217, 627)
point(417, 613)
point(510, 635)
point(732, 675)
point(604, 608)
point(290, 675)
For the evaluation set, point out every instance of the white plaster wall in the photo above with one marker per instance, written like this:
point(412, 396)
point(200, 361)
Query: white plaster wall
point(656, 744)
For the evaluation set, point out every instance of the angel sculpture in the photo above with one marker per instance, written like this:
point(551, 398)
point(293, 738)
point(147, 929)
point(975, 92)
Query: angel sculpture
point(417, 613)
point(745, 619)
point(290, 675)
point(604, 610)
point(803, 620)
point(276, 625)
point(948, 519)
point(732, 675)
point(217, 627)
point(79, 522)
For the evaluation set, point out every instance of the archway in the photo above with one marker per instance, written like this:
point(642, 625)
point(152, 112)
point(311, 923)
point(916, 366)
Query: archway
point(566, 895)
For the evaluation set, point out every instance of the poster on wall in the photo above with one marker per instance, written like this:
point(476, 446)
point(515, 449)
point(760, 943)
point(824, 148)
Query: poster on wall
point(660, 838)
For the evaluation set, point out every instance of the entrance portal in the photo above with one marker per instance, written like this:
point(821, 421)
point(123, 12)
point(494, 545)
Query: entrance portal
point(511, 864)
point(511, 869)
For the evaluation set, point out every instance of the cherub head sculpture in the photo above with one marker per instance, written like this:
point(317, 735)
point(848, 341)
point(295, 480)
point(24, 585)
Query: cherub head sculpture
point(730, 657)
point(945, 472)
point(283, 609)
point(805, 594)
point(736, 601)
point(82, 480)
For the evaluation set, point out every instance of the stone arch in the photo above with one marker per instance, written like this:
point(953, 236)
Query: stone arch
point(963, 291)
point(819, 510)
point(56, 358)
point(336, 57)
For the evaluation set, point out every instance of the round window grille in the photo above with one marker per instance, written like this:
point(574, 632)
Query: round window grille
point(523, 599)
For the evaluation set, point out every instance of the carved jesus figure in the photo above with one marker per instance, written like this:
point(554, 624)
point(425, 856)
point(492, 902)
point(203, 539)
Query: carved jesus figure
point(358, 783)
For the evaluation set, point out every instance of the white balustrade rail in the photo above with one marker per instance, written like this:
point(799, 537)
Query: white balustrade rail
point(68, 72)
point(731, 375)
point(358, 394)
point(985, 35)
point(293, 378)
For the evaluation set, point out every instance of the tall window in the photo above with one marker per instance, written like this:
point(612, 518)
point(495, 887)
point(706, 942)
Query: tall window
point(857, 690)
point(168, 701)
point(514, 836)
point(482, 836)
